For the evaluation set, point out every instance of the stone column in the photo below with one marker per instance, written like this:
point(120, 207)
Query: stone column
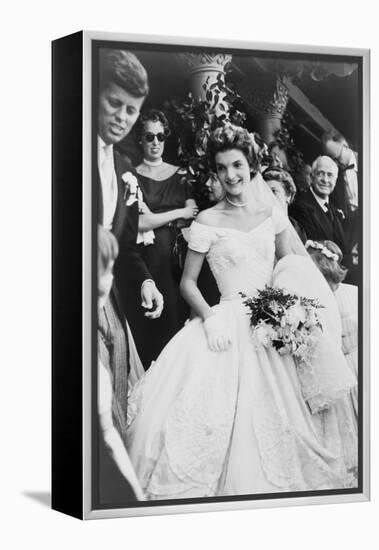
point(267, 100)
point(204, 68)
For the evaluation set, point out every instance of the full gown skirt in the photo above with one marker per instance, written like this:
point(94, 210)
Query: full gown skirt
point(205, 423)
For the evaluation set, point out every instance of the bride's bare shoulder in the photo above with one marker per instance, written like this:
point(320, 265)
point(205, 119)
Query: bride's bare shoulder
point(210, 216)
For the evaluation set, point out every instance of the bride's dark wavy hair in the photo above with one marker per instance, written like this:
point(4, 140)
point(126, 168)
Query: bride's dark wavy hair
point(230, 137)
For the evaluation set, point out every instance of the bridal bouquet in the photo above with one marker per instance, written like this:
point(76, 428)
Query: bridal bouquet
point(286, 322)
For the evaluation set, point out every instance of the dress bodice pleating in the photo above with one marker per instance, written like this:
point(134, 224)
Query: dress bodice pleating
point(240, 261)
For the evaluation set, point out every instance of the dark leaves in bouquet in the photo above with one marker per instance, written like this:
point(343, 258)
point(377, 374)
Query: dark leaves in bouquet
point(260, 308)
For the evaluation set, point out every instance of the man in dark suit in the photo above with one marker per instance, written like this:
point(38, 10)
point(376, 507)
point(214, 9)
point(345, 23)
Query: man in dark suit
point(314, 210)
point(123, 86)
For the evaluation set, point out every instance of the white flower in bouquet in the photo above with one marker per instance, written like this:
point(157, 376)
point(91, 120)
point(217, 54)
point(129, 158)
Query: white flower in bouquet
point(313, 335)
point(302, 349)
point(275, 307)
point(286, 322)
point(285, 349)
point(296, 315)
point(312, 318)
point(264, 334)
point(284, 333)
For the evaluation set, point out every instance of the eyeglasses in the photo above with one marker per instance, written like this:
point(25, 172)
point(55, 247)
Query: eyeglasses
point(149, 136)
point(323, 174)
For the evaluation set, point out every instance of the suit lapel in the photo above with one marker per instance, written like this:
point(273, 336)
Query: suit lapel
point(322, 218)
point(121, 208)
point(339, 230)
point(332, 231)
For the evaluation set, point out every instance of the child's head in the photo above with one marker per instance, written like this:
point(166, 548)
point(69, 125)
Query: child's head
point(328, 256)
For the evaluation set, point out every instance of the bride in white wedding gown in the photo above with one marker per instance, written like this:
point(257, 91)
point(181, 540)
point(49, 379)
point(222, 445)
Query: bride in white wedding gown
point(215, 415)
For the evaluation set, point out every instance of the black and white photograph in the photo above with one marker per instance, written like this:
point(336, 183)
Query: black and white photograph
point(228, 235)
point(189, 264)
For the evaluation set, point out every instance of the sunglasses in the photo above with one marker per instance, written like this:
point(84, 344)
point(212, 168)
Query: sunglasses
point(149, 136)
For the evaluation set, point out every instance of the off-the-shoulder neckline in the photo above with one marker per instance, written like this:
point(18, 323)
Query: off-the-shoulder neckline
point(215, 227)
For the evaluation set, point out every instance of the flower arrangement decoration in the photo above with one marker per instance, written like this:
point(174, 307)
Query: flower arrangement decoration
point(285, 322)
point(192, 121)
point(284, 139)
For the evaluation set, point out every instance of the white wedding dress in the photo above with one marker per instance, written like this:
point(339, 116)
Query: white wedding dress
point(205, 423)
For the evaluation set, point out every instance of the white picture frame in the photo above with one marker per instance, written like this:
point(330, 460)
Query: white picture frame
point(80, 410)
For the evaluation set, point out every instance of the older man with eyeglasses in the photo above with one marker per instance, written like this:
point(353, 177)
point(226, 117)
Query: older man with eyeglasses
point(313, 208)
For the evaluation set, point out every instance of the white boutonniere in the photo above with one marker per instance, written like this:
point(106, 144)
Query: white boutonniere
point(131, 188)
point(341, 213)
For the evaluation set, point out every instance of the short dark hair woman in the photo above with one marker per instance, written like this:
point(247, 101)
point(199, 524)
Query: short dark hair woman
point(168, 206)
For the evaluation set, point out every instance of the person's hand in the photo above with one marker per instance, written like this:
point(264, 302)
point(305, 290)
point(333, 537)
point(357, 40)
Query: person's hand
point(217, 333)
point(190, 212)
point(152, 299)
point(143, 208)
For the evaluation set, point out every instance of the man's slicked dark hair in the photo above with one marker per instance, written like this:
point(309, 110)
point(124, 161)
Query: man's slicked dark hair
point(124, 69)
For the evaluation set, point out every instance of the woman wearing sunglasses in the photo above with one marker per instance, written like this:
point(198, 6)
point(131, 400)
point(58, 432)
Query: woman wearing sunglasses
point(170, 206)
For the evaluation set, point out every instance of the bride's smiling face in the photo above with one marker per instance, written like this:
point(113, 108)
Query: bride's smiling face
point(233, 171)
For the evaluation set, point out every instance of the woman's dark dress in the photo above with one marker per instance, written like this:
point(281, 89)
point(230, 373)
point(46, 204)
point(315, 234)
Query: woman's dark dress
point(152, 335)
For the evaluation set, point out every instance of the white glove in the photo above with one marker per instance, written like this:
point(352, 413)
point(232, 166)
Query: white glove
point(217, 333)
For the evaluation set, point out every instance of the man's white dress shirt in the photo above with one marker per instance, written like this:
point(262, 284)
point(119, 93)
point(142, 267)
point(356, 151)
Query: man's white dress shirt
point(324, 203)
point(108, 181)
